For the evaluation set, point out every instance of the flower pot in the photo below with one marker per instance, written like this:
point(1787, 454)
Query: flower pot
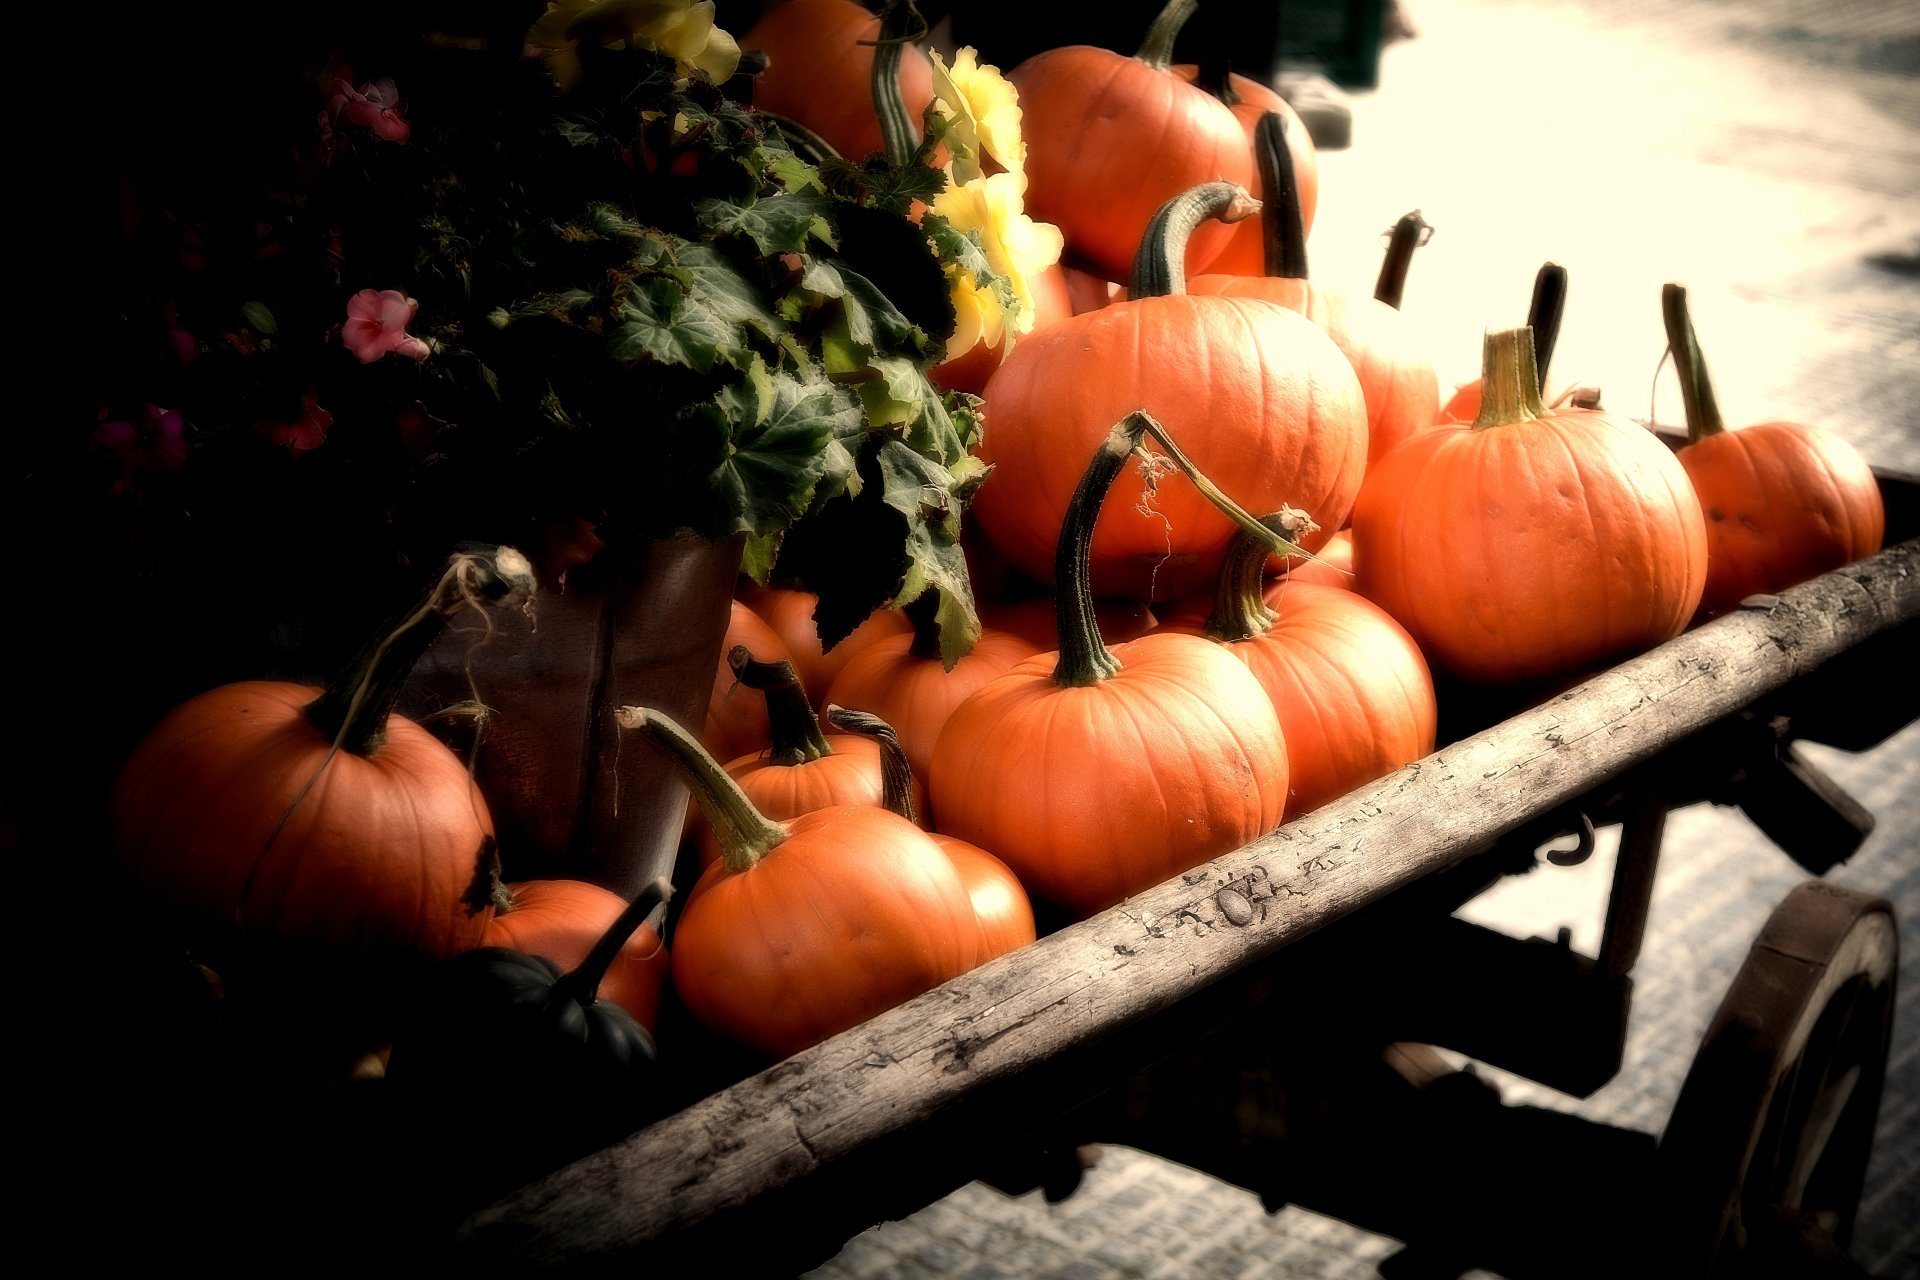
point(569, 797)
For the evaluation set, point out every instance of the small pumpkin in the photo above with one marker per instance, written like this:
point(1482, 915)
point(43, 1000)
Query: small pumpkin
point(1784, 501)
point(1533, 542)
point(563, 920)
point(1544, 314)
point(1331, 566)
point(737, 722)
point(805, 928)
point(790, 614)
point(1096, 772)
point(1251, 101)
point(820, 63)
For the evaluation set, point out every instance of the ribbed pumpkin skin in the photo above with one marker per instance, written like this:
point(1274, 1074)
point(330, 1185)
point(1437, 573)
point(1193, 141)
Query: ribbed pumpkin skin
point(819, 73)
point(1259, 398)
point(851, 775)
point(970, 370)
point(1110, 140)
point(790, 616)
point(562, 919)
point(1332, 565)
point(1246, 251)
point(856, 912)
point(1532, 549)
point(917, 695)
point(379, 857)
point(1784, 503)
point(737, 717)
point(1093, 793)
point(999, 902)
point(1353, 694)
point(1397, 379)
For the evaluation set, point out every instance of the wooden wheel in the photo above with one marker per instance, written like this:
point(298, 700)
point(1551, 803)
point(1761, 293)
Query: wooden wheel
point(1764, 1155)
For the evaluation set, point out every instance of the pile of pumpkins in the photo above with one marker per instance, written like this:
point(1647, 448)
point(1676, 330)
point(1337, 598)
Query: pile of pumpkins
point(1497, 541)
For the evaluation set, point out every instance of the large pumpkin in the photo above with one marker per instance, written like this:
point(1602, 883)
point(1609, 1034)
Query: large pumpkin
point(820, 72)
point(1251, 101)
point(1531, 543)
point(1097, 772)
point(1254, 392)
point(1784, 501)
point(1112, 138)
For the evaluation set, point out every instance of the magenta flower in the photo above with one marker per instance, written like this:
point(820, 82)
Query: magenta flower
point(158, 442)
point(305, 433)
point(377, 106)
point(377, 322)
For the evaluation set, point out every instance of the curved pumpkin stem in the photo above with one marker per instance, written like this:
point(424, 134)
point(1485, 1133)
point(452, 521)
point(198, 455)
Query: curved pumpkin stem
point(354, 709)
point(900, 25)
point(896, 773)
point(582, 984)
point(1240, 608)
point(745, 835)
point(1156, 49)
point(1408, 234)
point(1084, 656)
point(1160, 268)
point(1283, 230)
point(796, 730)
point(1696, 389)
point(1509, 387)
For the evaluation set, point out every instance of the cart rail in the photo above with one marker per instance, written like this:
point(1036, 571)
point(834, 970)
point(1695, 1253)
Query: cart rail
point(791, 1123)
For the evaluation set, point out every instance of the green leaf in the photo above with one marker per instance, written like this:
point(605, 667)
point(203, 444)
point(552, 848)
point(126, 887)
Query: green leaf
point(783, 440)
point(259, 318)
point(921, 491)
point(756, 561)
point(662, 322)
point(791, 173)
point(721, 288)
point(776, 224)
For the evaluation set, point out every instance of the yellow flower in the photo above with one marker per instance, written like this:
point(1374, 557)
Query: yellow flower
point(1016, 248)
point(681, 29)
point(985, 112)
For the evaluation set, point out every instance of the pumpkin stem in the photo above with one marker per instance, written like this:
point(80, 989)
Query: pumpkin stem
point(896, 774)
point(1160, 268)
point(745, 835)
point(1283, 230)
point(900, 25)
point(1215, 70)
point(1509, 387)
point(1544, 313)
point(354, 709)
point(796, 731)
point(582, 984)
point(1703, 411)
point(1240, 608)
point(1408, 234)
point(1084, 656)
point(1156, 50)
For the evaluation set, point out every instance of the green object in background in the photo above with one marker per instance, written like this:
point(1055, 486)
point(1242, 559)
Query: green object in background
point(1341, 37)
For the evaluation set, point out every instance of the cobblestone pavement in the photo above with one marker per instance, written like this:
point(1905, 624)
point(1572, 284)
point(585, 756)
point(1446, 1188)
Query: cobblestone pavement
point(1767, 154)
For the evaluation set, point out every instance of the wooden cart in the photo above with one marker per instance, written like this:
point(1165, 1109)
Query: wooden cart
point(1266, 1016)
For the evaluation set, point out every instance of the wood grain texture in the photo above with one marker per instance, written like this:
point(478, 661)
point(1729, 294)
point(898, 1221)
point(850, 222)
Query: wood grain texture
point(794, 1120)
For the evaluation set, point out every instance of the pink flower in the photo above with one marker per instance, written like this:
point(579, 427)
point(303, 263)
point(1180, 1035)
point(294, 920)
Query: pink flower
point(158, 442)
point(377, 106)
point(377, 322)
point(305, 433)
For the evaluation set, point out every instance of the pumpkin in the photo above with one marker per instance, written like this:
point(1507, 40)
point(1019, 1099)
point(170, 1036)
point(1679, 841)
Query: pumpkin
point(1531, 543)
point(1353, 694)
point(1544, 313)
point(820, 58)
point(562, 920)
point(805, 928)
point(1784, 501)
point(904, 681)
point(1256, 391)
point(970, 370)
point(1250, 101)
point(790, 615)
point(805, 769)
point(737, 722)
point(318, 818)
point(1089, 292)
point(1112, 138)
point(1096, 772)
point(1396, 378)
point(1036, 620)
point(1331, 566)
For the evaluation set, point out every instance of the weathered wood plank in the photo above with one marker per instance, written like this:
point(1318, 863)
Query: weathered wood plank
point(795, 1119)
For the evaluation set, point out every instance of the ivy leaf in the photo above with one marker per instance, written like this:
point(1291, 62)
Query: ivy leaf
point(776, 224)
point(922, 491)
point(781, 441)
point(730, 295)
point(660, 321)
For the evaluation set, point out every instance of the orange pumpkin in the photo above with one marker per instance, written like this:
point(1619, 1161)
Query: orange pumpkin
point(820, 74)
point(1000, 903)
point(1037, 620)
point(1256, 391)
point(790, 615)
point(1532, 543)
point(1250, 101)
point(736, 720)
point(1331, 566)
point(805, 928)
point(1396, 378)
point(1544, 313)
point(1112, 138)
point(970, 370)
point(561, 920)
point(1353, 694)
point(1089, 292)
point(1097, 772)
point(1784, 501)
